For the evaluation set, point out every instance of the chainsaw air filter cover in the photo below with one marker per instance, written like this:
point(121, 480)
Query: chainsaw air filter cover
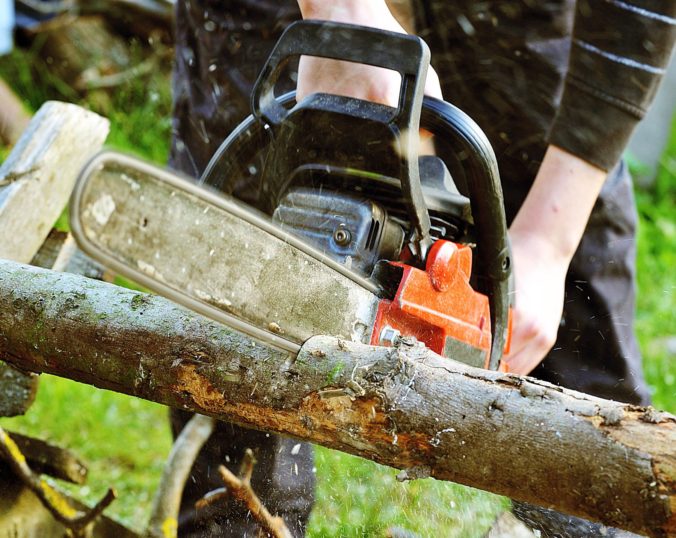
point(351, 229)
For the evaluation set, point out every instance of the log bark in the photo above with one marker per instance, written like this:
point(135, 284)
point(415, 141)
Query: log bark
point(405, 407)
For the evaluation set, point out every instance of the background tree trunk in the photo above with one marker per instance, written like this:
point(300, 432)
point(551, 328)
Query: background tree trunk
point(404, 407)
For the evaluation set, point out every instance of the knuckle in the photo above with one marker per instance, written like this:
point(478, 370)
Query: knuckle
point(546, 340)
point(530, 329)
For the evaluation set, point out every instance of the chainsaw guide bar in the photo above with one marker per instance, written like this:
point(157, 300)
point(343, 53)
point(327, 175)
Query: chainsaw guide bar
point(215, 256)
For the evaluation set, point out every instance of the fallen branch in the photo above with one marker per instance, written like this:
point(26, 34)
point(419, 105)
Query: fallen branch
point(239, 489)
point(164, 514)
point(405, 407)
point(45, 458)
point(75, 521)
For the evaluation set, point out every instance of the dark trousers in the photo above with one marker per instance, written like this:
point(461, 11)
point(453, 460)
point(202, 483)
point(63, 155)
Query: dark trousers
point(510, 85)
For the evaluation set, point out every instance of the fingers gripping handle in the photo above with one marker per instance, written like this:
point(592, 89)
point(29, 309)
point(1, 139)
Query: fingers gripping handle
point(405, 54)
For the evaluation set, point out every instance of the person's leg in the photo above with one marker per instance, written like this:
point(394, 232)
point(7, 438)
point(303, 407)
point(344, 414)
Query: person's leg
point(220, 48)
point(283, 478)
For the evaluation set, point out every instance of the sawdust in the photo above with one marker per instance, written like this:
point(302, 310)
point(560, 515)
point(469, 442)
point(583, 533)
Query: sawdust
point(199, 388)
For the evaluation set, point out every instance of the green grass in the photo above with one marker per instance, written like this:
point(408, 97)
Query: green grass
point(125, 440)
point(139, 111)
point(356, 497)
point(656, 302)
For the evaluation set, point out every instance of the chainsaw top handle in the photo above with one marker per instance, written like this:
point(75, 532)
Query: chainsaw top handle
point(408, 55)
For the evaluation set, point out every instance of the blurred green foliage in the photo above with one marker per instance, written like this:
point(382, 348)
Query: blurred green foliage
point(656, 301)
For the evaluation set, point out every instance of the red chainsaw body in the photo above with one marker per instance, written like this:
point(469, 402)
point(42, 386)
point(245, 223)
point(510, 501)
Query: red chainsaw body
point(439, 307)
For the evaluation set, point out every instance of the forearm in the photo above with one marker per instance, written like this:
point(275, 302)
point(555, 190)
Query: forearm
point(352, 11)
point(554, 215)
point(545, 235)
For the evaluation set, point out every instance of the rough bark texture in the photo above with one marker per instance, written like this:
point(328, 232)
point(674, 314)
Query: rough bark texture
point(17, 390)
point(404, 407)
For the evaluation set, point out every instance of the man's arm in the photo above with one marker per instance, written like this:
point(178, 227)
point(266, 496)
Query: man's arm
point(615, 67)
point(545, 235)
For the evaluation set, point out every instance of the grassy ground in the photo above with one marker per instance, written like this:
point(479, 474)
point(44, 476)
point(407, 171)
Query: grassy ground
point(126, 440)
point(656, 308)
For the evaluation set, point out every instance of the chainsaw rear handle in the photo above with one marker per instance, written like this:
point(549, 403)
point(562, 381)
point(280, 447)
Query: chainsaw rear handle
point(459, 133)
point(456, 131)
point(408, 55)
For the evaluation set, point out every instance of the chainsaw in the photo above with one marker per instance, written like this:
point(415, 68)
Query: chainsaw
point(353, 233)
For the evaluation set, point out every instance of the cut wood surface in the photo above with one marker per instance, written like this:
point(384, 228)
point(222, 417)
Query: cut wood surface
point(38, 176)
point(405, 407)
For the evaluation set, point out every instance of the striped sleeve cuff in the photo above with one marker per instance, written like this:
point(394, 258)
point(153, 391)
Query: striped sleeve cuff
point(618, 56)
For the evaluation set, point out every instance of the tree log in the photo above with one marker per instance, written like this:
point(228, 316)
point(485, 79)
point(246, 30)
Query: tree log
point(405, 407)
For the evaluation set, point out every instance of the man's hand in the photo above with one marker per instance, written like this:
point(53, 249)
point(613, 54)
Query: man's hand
point(544, 236)
point(350, 79)
point(539, 274)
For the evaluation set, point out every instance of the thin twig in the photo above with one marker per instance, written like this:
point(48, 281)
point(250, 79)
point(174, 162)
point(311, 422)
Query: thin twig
point(89, 80)
point(74, 520)
point(240, 489)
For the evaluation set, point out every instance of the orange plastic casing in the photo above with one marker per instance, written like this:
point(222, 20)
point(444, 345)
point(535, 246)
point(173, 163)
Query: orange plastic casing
point(439, 307)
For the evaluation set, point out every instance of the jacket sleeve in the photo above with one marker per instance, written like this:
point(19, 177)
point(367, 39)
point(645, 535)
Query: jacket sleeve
point(619, 53)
